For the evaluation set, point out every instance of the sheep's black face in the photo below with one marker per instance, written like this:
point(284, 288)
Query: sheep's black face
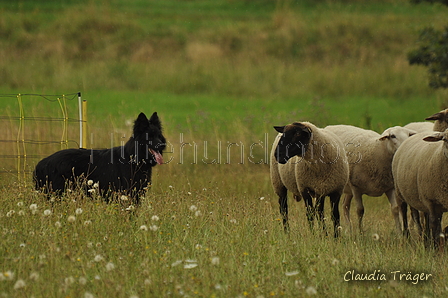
point(294, 141)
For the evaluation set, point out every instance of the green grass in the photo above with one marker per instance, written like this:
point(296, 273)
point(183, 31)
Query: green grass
point(234, 237)
point(221, 72)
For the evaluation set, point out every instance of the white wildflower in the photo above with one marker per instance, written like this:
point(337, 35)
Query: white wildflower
point(155, 218)
point(233, 221)
point(10, 213)
point(87, 223)
point(178, 262)
point(291, 273)
point(90, 182)
point(143, 228)
point(376, 237)
point(190, 265)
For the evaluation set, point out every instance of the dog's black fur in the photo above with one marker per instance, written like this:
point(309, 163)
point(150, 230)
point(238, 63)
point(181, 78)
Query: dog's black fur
point(125, 169)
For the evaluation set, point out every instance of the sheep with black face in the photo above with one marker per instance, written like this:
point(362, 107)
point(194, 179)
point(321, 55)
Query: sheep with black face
point(311, 163)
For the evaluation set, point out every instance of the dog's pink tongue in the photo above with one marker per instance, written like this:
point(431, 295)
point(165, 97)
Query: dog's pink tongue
point(158, 156)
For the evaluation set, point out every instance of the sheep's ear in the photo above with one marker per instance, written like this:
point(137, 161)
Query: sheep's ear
point(436, 116)
point(279, 129)
point(412, 132)
point(434, 138)
point(383, 138)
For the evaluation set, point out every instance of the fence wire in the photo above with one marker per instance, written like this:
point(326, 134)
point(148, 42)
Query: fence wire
point(26, 135)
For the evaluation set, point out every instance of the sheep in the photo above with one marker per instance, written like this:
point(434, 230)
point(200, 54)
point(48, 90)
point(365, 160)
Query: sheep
point(370, 160)
point(420, 168)
point(311, 163)
point(440, 123)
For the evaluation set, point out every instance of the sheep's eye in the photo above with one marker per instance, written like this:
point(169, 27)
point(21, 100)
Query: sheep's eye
point(392, 136)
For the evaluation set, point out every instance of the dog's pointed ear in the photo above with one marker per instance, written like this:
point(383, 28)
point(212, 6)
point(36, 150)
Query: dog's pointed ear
point(141, 124)
point(154, 120)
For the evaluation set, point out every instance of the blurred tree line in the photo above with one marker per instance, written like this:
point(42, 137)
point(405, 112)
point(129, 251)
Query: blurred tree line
point(432, 52)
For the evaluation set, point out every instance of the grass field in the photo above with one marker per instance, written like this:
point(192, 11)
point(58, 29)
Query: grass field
point(220, 74)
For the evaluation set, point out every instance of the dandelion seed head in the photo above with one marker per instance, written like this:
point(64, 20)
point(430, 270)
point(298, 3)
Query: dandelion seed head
point(34, 276)
point(130, 208)
point(147, 282)
point(69, 280)
point(88, 295)
point(124, 198)
point(20, 283)
point(21, 213)
point(96, 185)
point(87, 223)
point(89, 182)
point(47, 212)
point(110, 266)
point(153, 228)
point(193, 208)
point(311, 290)
point(78, 211)
point(215, 261)
point(91, 190)
point(233, 221)
point(22, 245)
point(82, 280)
point(33, 207)
point(71, 218)
point(20, 204)
point(10, 213)
point(376, 237)
point(198, 213)
point(98, 258)
point(143, 228)
point(155, 218)
point(57, 224)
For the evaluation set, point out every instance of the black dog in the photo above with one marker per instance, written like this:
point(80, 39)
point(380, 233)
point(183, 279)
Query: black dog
point(125, 170)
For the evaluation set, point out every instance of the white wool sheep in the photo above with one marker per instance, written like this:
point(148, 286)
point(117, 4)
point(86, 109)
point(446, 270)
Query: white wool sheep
point(440, 123)
point(311, 163)
point(420, 168)
point(370, 157)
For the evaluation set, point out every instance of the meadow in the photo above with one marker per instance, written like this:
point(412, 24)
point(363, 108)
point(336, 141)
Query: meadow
point(220, 74)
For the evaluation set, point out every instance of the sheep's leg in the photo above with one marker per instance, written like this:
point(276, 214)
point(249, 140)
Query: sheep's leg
point(283, 204)
point(320, 202)
point(404, 214)
point(435, 223)
point(394, 208)
point(359, 207)
point(346, 205)
point(416, 218)
point(334, 199)
point(310, 211)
